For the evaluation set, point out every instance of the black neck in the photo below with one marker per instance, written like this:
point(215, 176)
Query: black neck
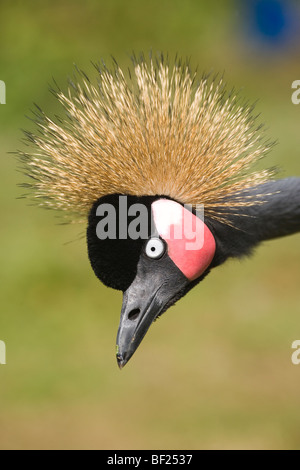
point(277, 216)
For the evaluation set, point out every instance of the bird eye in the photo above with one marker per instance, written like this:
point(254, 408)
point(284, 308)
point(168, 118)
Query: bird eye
point(155, 248)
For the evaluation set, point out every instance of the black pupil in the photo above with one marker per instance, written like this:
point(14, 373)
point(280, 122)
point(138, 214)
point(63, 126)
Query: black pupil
point(152, 248)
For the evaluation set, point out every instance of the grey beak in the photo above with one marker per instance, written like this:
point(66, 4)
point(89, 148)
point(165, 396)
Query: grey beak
point(156, 285)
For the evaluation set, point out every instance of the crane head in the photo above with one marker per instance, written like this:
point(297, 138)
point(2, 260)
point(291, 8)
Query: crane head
point(153, 249)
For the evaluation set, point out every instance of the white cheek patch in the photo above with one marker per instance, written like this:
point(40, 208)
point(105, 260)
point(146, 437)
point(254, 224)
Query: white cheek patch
point(191, 245)
point(168, 216)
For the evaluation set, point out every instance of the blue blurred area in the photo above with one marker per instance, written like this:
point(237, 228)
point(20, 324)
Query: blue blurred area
point(272, 23)
point(271, 18)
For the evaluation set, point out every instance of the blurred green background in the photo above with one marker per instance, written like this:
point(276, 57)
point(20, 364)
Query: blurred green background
point(216, 370)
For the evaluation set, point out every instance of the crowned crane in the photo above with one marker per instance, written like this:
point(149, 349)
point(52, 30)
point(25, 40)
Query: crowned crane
point(145, 152)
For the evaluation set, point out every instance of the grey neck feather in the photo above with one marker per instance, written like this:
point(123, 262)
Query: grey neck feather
point(278, 216)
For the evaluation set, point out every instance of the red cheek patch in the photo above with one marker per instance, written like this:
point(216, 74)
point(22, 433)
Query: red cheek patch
point(191, 245)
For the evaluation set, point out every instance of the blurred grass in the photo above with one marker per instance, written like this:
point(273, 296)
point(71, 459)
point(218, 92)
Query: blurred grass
point(215, 371)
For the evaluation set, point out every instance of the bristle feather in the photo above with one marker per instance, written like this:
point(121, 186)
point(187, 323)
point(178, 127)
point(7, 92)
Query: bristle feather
point(158, 132)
